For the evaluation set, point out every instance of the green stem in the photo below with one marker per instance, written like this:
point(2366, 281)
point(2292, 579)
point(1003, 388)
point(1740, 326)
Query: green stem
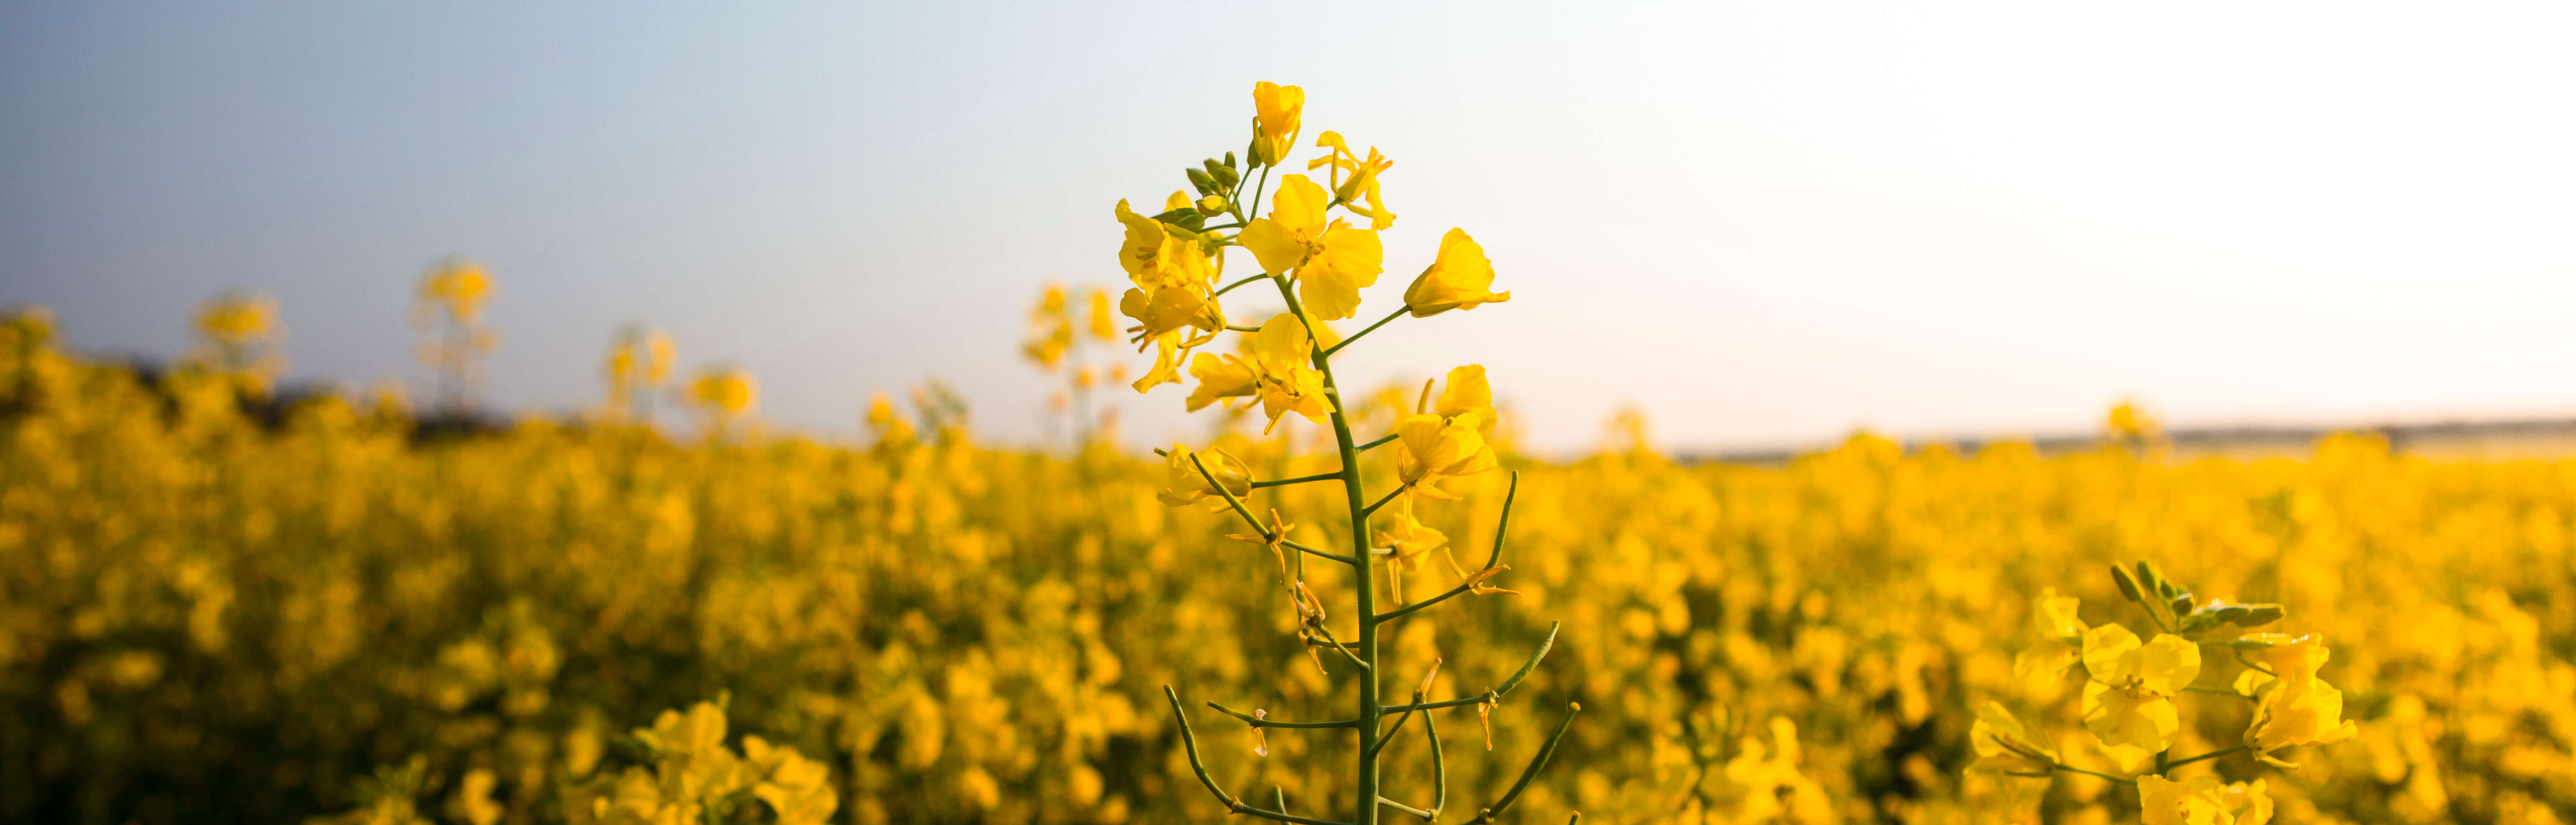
point(2210, 755)
point(1331, 476)
point(1378, 443)
point(1230, 287)
point(1399, 312)
point(1363, 583)
point(2074, 769)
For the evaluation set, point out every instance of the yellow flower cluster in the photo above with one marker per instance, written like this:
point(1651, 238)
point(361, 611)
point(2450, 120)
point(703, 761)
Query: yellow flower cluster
point(203, 615)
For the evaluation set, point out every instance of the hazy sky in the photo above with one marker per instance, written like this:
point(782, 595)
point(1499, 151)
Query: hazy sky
point(1762, 223)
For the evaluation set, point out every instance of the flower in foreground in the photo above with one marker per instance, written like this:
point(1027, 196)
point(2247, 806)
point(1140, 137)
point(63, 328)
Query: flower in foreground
point(1459, 278)
point(1276, 110)
point(2129, 700)
point(1331, 260)
point(1184, 485)
point(2295, 708)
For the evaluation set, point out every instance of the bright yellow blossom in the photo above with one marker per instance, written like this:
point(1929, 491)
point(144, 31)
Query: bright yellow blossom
point(2129, 700)
point(1276, 110)
point(2201, 800)
point(1405, 545)
point(1361, 183)
point(2296, 707)
point(1330, 260)
point(1459, 278)
point(1451, 438)
point(460, 288)
point(1184, 485)
point(1276, 373)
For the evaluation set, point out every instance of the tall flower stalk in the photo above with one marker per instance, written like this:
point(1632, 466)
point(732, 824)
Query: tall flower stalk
point(1317, 263)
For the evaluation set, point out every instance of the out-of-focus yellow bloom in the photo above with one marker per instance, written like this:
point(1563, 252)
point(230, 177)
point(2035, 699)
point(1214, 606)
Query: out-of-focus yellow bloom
point(2296, 708)
point(2201, 800)
point(1184, 485)
point(1103, 325)
point(2061, 639)
point(1276, 110)
point(2129, 700)
point(1361, 182)
point(1460, 278)
point(460, 288)
point(237, 318)
point(892, 431)
point(2005, 746)
point(1330, 260)
point(725, 390)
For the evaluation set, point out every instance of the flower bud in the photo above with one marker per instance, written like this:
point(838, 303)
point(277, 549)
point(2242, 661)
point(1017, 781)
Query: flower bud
point(1224, 173)
point(2128, 585)
point(1200, 178)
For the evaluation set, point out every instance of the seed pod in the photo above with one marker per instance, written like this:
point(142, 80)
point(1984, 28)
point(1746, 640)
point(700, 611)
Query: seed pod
point(2153, 580)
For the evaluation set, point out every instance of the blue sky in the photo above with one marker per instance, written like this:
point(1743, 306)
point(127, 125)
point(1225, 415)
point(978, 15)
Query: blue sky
point(1764, 224)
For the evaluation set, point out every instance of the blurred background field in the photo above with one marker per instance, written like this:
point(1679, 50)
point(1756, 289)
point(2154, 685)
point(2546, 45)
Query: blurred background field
point(327, 610)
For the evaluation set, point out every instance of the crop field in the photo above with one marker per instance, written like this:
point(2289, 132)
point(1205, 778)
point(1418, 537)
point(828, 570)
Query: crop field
point(222, 602)
point(207, 615)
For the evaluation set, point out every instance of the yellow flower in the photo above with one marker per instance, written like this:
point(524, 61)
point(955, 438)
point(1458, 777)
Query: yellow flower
point(1221, 378)
point(236, 317)
point(1276, 374)
point(2003, 745)
point(2060, 632)
point(2296, 707)
point(1362, 183)
point(1450, 439)
point(2201, 800)
point(460, 287)
point(1174, 278)
point(1460, 278)
point(724, 389)
point(2129, 700)
point(1184, 485)
point(1281, 351)
point(1276, 110)
point(1405, 546)
point(1331, 261)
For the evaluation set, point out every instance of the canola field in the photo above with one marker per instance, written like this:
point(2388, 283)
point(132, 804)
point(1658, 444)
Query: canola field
point(213, 611)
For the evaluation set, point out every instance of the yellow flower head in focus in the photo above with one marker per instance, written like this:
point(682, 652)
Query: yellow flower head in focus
point(2005, 746)
point(724, 389)
point(2296, 708)
point(1362, 183)
point(1276, 111)
point(1275, 373)
point(1460, 278)
point(1184, 485)
point(1450, 439)
point(2201, 800)
point(1330, 260)
point(2129, 700)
